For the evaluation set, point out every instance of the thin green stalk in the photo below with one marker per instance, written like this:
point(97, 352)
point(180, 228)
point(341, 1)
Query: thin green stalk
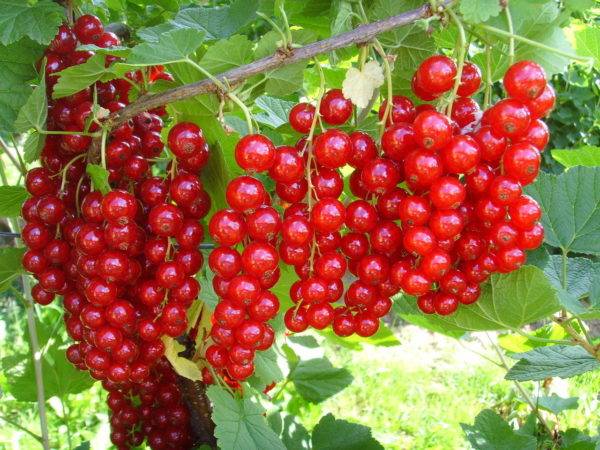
point(520, 387)
point(487, 95)
point(33, 339)
point(286, 22)
point(557, 51)
point(66, 419)
point(390, 87)
point(462, 49)
point(284, 38)
point(540, 339)
point(103, 148)
point(16, 147)
point(207, 74)
point(19, 165)
point(245, 110)
point(22, 428)
point(565, 262)
point(67, 133)
point(511, 30)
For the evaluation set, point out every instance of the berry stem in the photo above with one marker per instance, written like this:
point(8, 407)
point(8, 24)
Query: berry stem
point(286, 23)
point(511, 30)
point(245, 110)
point(527, 41)
point(103, 147)
point(66, 168)
point(487, 95)
point(284, 39)
point(390, 87)
point(461, 51)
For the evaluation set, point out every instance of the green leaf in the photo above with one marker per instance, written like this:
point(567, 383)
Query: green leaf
point(507, 301)
point(586, 40)
point(240, 424)
point(383, 338)
point(477, 11)
point(10, 265)
point(32, 147)
point(517, 343)
point(337, 434)
point(316, 379)
point(343, 18)
point(75, 78)
point(60, 378)
point(579, 5)
point(275, 111)
point(183, 366)
point(11, 199)
point(34, 112)
point(286, 80)
point(99, 177)
point(570, 205)
point(491, 432)
point(563, 361)
point(38, 21)
point(588, 156)
point(17, 65)
point(227, 54)
point(83, 446)
point(171, 47)
point(293, 434)
point(266, 367)
point(580, 272)
point(557, 404)
point(218, 22)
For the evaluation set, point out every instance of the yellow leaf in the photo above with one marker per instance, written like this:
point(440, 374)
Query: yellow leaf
point(359, 85)
point(182, 366)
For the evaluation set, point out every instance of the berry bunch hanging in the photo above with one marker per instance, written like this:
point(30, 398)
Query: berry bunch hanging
point(124, 261)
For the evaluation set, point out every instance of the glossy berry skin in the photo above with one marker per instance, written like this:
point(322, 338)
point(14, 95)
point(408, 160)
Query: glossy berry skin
point(509, 118)
point(537, 135)
point(422, 168)
point(419, 240)
point(432, 130)
point(255, 153)
point(301, 117)
point(185, 139)
point(470, 80)
point(465, 112)
point(521, 162)
point(398, 140)
point(504, 190)
point(320, 315)
point(403, 110)
point(436, 74)
point(380, 175)
point(245, 193)
point(461, 155)
point(525, 80)
point(363, 149)
point(426, 303)
point(414, 210)
point(335, 109)
point(119, 207)
point(88, 29)
point(415, 283)
point(491, 146)
point(524, 213)
point(296, 320)
point(531, 239)
point(543, 104)
point(445, 304)
point(165, 220)
point(361, 216)
point(447, 193)
point(328, 215)
point(332, 148)
point(288, 166)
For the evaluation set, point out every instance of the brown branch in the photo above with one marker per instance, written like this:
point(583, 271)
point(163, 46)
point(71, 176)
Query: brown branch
point(359, 35)
point(198, 404)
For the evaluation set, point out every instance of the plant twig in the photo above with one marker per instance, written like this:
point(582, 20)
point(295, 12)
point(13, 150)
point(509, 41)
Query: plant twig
point(22, 428)
point(361, 34)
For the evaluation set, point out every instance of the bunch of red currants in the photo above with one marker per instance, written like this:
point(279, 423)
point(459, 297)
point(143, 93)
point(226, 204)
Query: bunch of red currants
point(125, 261)
point(438, 207)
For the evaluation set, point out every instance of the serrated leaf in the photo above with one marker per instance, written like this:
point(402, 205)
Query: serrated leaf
point(10, 265)
point(286, 80)
point(359, 85)
point(38, 21)
point(266, 367)
point(227, 54)
point(99, 176)
point(337, 434)
point(32, 147)
point(181, 365)
point(587, 156)
point(75, 78)
point(316, 379)
point(173, 46)
point(17, 68)
point(220, 21)
point(491, 432)
point(275, 111)
point(507, 301)
point(563, 361)
point(556, 404)
point(586, 40)
point(570, 205)
point(240, 424)
point(34, 112)
point(293, 434)
point(11, 199)
point(343, 18)
point(477, 11)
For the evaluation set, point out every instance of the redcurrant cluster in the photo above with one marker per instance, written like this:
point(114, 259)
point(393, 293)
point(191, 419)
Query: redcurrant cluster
point(243, 278)
point(466, 216)
point(124, 262)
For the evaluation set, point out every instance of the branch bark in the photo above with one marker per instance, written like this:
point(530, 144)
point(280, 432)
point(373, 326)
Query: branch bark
point(359, 35)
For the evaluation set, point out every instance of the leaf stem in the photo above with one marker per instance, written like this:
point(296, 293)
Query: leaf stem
point(520, 387)
point(284, 38)
point(527, 41)
point(534, 338)
point(244, 109)
point(487, 95)
point(286, 23)
point(462, 49)
point(19, 165)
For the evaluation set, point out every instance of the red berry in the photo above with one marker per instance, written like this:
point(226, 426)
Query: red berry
point(521, 162)
point(301, 117)
point(255, 153)
point(509, 118)
point(433, 130)
point(436, 74)
point(403, 110)
point(332, 148)
point(525, 80)
point(335, 109)
point(419, 240)
point(470, 80)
